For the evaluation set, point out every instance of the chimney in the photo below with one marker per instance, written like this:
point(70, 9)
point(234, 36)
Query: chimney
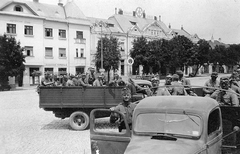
point(182, 27)
point(219, 39)
point(169, 26)
point(35, 1)
point(115, 10)
point(159, 18)
point(155, 18)
point(60, 3)
point(120, 11)
point(134, 13)
point(144, 14)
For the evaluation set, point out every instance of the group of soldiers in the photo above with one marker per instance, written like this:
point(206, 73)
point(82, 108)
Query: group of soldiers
point(224, 91)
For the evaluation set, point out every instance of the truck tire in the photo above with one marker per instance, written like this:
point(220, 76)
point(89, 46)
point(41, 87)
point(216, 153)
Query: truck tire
point(79, 120)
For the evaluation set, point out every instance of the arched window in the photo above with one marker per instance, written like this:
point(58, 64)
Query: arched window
point(18, 8)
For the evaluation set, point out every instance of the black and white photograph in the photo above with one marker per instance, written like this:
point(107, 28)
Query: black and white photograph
point(119, 76)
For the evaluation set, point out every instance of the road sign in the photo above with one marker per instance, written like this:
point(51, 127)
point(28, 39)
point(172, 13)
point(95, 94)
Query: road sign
point(130, 61)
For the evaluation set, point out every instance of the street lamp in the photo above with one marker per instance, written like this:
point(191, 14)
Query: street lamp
point(101, 23)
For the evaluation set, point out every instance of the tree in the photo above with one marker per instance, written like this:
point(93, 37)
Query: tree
point(180, 51)
point(139, 52)
point(200, 54)
point(11, 58)
point(111, 54)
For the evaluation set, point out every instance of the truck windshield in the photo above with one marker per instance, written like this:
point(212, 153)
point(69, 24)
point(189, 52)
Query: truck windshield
point(166, 123)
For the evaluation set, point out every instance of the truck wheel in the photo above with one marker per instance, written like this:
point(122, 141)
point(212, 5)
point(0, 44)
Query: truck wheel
point(79, 120)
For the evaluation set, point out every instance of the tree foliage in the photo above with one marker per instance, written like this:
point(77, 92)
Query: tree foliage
point(11, 58)
point(111, 54)
point(179, 52)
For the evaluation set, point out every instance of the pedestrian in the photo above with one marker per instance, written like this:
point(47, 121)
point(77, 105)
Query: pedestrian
point(225, 97)
point(126, 108)
point(211, 83)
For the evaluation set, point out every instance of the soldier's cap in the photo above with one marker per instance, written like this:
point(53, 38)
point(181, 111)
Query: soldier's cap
point(214, 74)
point(83, 75)
point(154, 79)
point(175, 76)
point(224, 79)
point(126, 91)
point(169, 76)
point(179, 72)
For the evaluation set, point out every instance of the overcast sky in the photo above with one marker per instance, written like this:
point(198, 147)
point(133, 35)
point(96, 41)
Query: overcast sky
point(206, 18)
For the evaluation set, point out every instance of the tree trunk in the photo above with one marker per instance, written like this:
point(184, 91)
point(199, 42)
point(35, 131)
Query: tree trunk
point(195, 73)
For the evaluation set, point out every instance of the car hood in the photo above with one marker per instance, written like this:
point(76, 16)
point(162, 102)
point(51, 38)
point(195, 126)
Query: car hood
point(146, 145)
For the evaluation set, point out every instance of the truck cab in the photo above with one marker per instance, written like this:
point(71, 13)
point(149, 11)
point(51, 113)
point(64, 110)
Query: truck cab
point(163, 125)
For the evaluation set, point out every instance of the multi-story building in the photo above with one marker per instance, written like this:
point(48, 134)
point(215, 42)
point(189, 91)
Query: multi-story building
point(127, 27)
point(61, 39)
point(56, 38)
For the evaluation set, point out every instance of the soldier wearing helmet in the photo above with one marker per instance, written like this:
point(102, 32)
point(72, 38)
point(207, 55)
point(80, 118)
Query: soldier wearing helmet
point(227, 96)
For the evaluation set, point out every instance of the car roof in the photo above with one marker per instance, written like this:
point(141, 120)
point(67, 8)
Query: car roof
point(142, 82)
point(201, 104)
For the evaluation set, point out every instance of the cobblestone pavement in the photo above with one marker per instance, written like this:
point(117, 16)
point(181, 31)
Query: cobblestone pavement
point(27, 129)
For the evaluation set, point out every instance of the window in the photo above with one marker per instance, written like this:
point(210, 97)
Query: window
point(214, 121)
point(76, 52)
point(79, 34)
point(49, 70)
point(122, 46)
point(28, 51)
point(82, 52)
point(28, 30)
point(11, 28)
point(79, 70)
point(48, 32)
point(62, 71)
point(18, 8)
point(48, 52)
point(62, 33)
point(62, 52)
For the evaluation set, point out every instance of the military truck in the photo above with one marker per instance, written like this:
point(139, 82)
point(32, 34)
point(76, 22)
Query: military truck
point(169, 125)
point(76, 103)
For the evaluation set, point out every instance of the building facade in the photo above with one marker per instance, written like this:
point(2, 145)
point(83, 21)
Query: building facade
point(55, 38)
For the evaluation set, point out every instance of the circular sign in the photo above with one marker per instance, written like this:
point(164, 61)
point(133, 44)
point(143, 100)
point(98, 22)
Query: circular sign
point(130, 61)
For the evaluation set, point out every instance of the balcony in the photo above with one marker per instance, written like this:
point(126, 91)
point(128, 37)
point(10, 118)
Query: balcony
point(80, 40)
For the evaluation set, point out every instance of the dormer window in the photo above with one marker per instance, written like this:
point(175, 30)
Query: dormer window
point(18, 8)
point(133, 23)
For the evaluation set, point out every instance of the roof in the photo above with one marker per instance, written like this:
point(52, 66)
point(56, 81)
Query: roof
point(124, 22)
point(49, 11)
point(201, 104)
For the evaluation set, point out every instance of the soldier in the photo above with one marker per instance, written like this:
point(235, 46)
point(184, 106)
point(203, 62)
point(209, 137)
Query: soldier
point(226, 97)
point(177, 88)
point(98, 81)
point(70, 81)
point(90, 77)
point(135, 88)
point(46, 80)
point(182, 79)
point(211, 83)
point(126, 107)
point(82, 80)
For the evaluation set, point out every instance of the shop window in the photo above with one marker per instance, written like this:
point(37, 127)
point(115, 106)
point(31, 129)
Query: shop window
point(62, 71)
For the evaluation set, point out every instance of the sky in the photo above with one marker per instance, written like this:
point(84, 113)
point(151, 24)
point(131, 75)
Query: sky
point(206, 18)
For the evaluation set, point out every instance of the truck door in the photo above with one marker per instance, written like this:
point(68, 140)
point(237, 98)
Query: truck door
point(105, 136)
point(214, 132)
